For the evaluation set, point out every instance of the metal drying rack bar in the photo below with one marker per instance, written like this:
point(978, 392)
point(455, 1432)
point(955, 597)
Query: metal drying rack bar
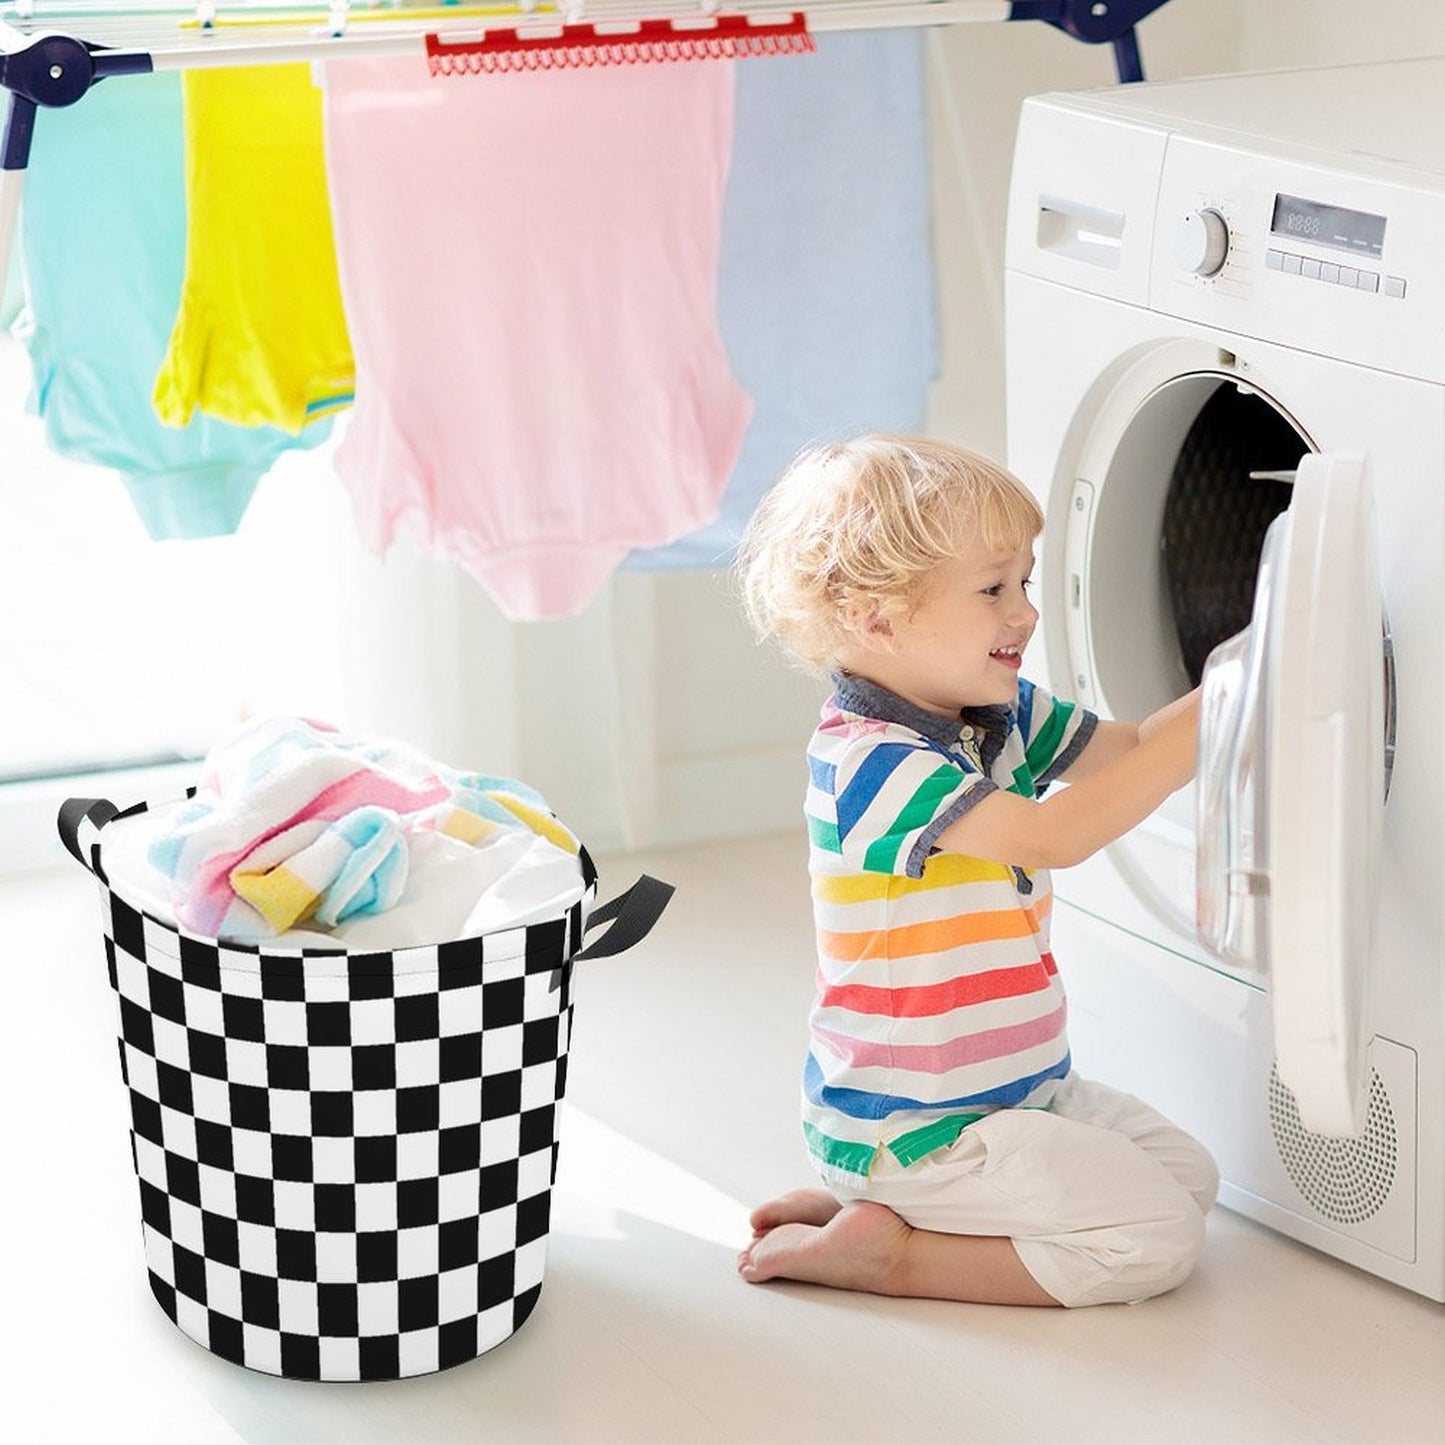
point(45, 62)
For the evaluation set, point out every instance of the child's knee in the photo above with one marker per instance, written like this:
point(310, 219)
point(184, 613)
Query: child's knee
point(1169, 1249)
point(1179, 1249)
point(1132, 1263)
point(1202, 1180)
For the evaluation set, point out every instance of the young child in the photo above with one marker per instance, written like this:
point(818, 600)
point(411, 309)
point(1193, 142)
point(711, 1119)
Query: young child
point(964, 1158)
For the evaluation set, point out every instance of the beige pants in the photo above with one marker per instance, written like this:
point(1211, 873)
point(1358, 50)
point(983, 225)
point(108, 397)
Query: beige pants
point(1103, 1197)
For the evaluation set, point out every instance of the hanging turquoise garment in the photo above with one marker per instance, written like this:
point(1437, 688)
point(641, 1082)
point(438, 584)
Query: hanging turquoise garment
point(826, 289)
point(11, 293)
point(102, 241)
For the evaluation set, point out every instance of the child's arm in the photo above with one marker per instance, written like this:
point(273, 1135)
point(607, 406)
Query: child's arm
point(1107, 795)
point(1112, 740)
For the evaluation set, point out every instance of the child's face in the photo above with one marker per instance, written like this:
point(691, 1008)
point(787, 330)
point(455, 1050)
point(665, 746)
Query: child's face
point(963, 643)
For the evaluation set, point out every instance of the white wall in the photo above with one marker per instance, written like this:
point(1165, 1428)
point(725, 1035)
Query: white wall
point(1286, 34)
point(654, 718)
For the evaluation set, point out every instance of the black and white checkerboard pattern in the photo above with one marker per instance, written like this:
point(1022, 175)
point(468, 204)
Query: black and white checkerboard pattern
point(345, 1160)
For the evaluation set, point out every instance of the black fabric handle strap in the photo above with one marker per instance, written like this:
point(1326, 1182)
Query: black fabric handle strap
point(92, 814)
point(631, 914)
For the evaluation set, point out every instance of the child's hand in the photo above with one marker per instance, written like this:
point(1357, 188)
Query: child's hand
point(1175, 730)
point(1187, 705)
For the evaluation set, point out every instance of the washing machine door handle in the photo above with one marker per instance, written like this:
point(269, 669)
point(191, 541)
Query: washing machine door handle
point(1322, 788)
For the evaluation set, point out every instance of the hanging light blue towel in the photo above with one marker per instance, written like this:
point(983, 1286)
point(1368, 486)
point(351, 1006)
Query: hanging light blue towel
point(826, 286)
point(11, 294)
point(102, 239)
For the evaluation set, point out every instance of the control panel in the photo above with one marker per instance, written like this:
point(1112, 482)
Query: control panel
point(1313, 269)
point(1272, 243)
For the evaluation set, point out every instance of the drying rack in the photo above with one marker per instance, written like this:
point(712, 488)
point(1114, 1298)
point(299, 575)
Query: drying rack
point(51, 54)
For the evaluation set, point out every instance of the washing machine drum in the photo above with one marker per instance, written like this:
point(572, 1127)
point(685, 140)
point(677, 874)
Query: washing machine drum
point(1163, 539)
point(1228, 484)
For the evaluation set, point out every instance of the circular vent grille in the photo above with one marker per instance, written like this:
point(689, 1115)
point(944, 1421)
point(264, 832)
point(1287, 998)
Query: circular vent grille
point(1346, 1180)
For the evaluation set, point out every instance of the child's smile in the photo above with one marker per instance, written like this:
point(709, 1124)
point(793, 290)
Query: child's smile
point(963, 643)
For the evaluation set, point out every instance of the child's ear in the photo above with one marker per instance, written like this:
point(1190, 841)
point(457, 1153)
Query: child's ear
point(867, 625)
point(881, 630)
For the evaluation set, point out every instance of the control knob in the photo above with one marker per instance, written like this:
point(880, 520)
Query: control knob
point(1201, 242)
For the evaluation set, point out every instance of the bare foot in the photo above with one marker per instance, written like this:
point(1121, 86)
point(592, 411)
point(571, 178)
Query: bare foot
point(807, 1235)
point(798, 1206)
point(859, 1246)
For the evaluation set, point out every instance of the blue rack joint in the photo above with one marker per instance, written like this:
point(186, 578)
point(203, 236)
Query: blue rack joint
point(1096, 22)
point(54, 70)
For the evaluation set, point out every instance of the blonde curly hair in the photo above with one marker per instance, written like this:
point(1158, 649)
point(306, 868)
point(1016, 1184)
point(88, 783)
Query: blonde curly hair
point(854, 529)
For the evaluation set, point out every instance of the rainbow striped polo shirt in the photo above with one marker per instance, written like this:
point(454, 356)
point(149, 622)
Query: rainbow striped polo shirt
point(938, 1000)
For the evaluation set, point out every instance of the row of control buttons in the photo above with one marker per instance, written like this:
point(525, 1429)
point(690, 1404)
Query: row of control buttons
point(1293, 265)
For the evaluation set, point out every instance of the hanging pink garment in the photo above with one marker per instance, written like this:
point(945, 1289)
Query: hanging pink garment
point(529, 267)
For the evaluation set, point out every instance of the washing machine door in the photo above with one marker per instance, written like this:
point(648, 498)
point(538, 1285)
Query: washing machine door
point(1291, 787)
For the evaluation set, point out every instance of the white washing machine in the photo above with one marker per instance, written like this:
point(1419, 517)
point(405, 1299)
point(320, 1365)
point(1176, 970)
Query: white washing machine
point(1226, 383)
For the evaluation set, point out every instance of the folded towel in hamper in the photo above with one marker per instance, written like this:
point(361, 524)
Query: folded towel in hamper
point(294, 824)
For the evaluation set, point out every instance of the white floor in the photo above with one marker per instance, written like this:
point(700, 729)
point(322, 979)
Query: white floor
point(682, 1115)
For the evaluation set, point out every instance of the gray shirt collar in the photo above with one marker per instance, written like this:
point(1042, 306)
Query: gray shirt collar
point(868, 699)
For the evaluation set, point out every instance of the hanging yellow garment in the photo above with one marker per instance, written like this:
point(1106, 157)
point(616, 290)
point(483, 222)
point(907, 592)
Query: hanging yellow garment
point(260, 338)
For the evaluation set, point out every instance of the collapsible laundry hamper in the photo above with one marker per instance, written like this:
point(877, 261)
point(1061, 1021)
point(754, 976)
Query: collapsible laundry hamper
point(346, 1159)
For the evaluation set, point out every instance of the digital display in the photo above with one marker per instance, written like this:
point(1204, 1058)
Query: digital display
point(1355, 231)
